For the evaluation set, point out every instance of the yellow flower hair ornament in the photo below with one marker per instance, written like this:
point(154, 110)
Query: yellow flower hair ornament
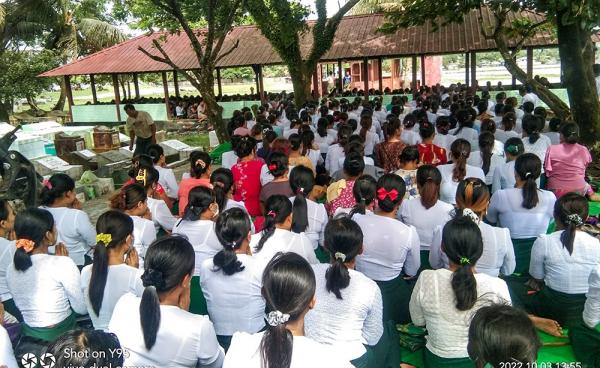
point(25, 244)
point(104, 238)
point(141, 176)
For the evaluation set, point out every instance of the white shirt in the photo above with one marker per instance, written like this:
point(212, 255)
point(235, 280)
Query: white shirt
point(346, 324)
point(179, 110)
point(166, 178)
point(74, 230)
point(161, 215)
point(121, 279)
point(470, 134)
point(433, 304)
point(531, 97)
point(425, 220)
point(288, 132)
point(389, 246)
point(283, 241)
point(561, 271)
point(325, 142)
point(504, 176)
point(498, 253)
point(553, 136)
point(201, 234)
point(47, 291)
point(317, 220)
point(234, 302)
point(506, 210)
point(371, 139)
point(7, 254)
point(410, 137)
point(183, 339)
point(591, 311)
point(228, 159)
point(315, 157)
point(444, 141)
point(245, 352)
point(7, 356)
point(539, 148)
point(144, 234)
point(475, 159)
point(504, 135)
point(449, 186)
point(332, 160)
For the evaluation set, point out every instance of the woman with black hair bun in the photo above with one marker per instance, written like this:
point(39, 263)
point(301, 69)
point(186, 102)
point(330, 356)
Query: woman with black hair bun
point(231, 280)
point(115, 268)
point(132, 200)
point(246, 175)
point(276, 235)
point(277, 163)
point(442, 138)
point(325, 135)
point(409, 163)
point(525, 210)
point(429, 153)
point(288, 287)
point(410, 130)
point(308, 216)
point(504, 174)
point(166, 176)
point(533, 141)
point(157, 329)
point(498, 257)
point(46, 288)
point(199, 176)
point(443, 300)
point(456, 171)
point(348, 314)
point(336, 151)
point(73, 225)
point(485, 158)
point(387, 153)
point(297, 155)
point(391, 248)
point(161, 216)
point(562, 262)
point(465, 130)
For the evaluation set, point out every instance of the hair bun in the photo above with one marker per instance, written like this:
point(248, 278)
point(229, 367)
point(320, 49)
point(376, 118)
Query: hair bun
point(152, 277)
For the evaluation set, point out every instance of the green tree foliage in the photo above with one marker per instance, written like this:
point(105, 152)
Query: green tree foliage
point(574, 22)
point(284, 24)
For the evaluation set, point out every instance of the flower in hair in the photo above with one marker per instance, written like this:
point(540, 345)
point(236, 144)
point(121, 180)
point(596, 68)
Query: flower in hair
point(200, 163)
point(575, 219)
point(25, 244)
point(47, 184)
point(276, 318)
point(141, 176)
point(152, 277)
point(465, 261)
point(272, 167)
point(272, 214)
point(341, 256)
point(104, 238)
point(382, 193)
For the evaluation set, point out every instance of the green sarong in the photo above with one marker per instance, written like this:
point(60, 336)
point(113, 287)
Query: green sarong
point(425, 265)
point(586, 345)
point(385, 354)
point(322, 255)
point(395, 294)
point(50, 333)
point(11, 308)
point(433, 361)
point(566, 309)
point(197, 301)
point(522, 249)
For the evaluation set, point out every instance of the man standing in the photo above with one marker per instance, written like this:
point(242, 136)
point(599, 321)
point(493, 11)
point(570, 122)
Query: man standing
point(141, 126)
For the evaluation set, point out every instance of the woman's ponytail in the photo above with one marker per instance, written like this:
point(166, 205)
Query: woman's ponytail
point(460, 150)
point(486, 146)
point(150, 314)
point(222, 181)
point(364, 191)
point(31, 227)
point(232, 228)
point(529, 167)
point(365, 125)
point(302, 182)
point(343, 240)
point(429, 180)
point(277, 209)
point(571, 210)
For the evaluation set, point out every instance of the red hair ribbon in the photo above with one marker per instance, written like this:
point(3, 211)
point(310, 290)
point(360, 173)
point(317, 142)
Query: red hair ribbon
point(382, 194)
point(272, 167)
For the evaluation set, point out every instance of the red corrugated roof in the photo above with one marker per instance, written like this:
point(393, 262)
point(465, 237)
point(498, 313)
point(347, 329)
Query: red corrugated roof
point(357, 37)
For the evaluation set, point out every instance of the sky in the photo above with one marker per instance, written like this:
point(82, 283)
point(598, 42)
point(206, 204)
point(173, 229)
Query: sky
point(332, 6)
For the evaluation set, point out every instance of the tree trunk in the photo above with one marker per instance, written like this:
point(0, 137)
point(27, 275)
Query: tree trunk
point(32, 103)
point(214, 112)
point(577, 57)
point(60, 104)
point(5, 110)
point(301, 80)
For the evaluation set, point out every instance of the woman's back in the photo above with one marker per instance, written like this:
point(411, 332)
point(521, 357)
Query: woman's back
point(183, 339)
point(283, 241)
point(348, 323)
point(538, 148)
point(449, 186)
point(201, 235)
point(425, 220)
point(74, 230)
point(565, 166)
point(476, 159)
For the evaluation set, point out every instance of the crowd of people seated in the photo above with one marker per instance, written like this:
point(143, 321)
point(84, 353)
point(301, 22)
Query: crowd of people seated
point(325, 231)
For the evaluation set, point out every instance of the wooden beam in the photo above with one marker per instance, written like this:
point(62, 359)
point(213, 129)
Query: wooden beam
point(261, 84)
point(423, 83)
point(380, 73)
point(414, 72)
point(176, 83)
point(474, 69)
point(529, 62)
point(340, 76)
point(136, 85)
point(219, 87)
point(467, 69)
point(366, 77)
point(255, 67)
point(69, 93)
point(316, 83)
point(93, 85)
point(166, 91)
point(115, 81)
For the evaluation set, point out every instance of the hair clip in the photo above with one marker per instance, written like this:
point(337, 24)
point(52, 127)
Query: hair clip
point(465, 261)
point(276, 318)
point(382, 193)
point(300, 190)
point(341, 256)
point(201, 163)
point(46, 183)
point(272, 214)
point(26, 244)
point(467, 212)
point(141, 176)
point(575, 219)
point(104, 238)
point(272, 167)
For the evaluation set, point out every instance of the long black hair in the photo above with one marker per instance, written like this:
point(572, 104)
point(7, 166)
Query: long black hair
point(128, 197)
point(363, 191)
point(465, 120)
point(277, 163)
point(56, 187)
point(500, 333)
point(460, 151)
point(486, 146)
point(391, 189)
point(463, 245)
point(354, 164)
point(514, 146)
point(571, 210)
point(531, 125)
point(277, 209)
point(570, 133)
point(90, 348)
point(199, 200)
point(168, 261)
point(429, 180)
point(222, 182)
point(322, 125)
point(529, 167)
point(32, 224)
point(119, 226)
point(199, 163)
point(243, 146)
point(302, 182)
point(288, 289)
point(343, 241)
point(156, 152)
point(232, 228)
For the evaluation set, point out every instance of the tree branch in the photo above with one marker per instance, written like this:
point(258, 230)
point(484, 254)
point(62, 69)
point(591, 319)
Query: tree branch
point(229, 22)
point(223, 55)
